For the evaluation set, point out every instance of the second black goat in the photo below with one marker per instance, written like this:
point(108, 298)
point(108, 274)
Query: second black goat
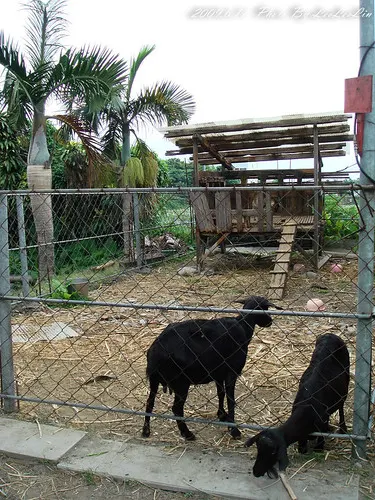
point(200, 351)
point(323, 389)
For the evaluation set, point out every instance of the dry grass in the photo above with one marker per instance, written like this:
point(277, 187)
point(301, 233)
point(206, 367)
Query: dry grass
point(32, 480)
point(114, 342)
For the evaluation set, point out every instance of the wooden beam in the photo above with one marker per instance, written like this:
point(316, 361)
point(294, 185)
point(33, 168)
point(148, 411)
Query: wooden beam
point(221, 159)
point(214, 140)
point(273, 157)
point(214, 246)
point(226, 147)
point(279, 150)
point(233, 146)
point(252, 124)
point(284, 174)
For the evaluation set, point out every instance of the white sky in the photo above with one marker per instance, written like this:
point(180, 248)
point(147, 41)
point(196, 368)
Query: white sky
point(245, 65)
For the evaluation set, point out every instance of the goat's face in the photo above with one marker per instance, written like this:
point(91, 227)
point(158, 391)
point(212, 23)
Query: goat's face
point(271, 450)
point(260, 303)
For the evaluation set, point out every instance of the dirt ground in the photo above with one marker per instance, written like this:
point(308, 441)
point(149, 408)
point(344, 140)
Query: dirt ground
point(105, 364)
point(31, 480)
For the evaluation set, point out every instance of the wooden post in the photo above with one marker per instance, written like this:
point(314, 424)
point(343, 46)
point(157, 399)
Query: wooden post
point(195, 162)
point(269, 214)
point(198, 241)
point(316, 198)
point(239, 211)
point(260, 211)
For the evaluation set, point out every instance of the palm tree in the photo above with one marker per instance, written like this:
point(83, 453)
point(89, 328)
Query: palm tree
point(74, 78)
point(157, 105)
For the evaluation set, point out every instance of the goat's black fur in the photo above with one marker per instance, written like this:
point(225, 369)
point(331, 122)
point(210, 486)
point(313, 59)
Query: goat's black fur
point(323, 389)
point(200, 351)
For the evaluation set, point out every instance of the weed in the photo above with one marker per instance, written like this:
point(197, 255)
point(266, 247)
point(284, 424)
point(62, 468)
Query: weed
point(88, 477)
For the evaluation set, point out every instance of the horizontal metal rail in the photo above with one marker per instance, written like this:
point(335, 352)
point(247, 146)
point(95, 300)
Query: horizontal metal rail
point(164, 307)
point(166, 416)
point(182, 189)
point(102, 236)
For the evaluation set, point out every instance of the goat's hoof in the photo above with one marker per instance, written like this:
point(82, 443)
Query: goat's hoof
point(146, 433)
point(222, 417)
point(189, 436)
point(235, 433)
point(302, 448)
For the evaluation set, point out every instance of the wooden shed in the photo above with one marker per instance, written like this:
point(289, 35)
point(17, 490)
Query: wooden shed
point(286, 213)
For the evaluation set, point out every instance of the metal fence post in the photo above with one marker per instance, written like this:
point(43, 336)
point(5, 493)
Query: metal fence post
point(362, 390)
point(137, 230)
point(22, 245)
point(7, 370)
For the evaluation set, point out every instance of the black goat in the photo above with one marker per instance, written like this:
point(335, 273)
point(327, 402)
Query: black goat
point(323, 389)
point(200, 351)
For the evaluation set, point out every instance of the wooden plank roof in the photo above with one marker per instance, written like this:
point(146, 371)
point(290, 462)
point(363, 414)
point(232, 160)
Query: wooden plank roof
point(262, 139)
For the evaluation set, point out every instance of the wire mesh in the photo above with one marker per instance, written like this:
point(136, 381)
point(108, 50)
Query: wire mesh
point(83, 363)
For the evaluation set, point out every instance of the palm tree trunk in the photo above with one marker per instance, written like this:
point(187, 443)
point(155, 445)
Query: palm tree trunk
point(39, 176)
point(127, 219)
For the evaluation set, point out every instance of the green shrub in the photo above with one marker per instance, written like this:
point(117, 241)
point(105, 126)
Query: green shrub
point(341, 220)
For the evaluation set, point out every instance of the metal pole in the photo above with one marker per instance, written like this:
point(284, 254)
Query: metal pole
point(137, 229)
point(199, 249)
point(22, 245)
point(6, 353)
point(362, 391)
point(316, 199)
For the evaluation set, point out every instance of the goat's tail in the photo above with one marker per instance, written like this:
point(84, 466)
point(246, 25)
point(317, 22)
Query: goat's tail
point(151, 374)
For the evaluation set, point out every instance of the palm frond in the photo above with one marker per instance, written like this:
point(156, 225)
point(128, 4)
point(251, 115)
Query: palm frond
point(46, 27)
point(135, 63)
point(86, 77)
point(141, 150)
point(95, 113)
point(165, 102)
point(11, 59)
point(21, 90)
point(90, 143)
point(112, 137)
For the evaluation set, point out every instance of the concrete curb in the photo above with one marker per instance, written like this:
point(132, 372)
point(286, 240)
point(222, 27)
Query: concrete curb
point(191, 470)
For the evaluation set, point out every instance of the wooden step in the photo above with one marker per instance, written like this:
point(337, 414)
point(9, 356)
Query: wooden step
point(280, 272)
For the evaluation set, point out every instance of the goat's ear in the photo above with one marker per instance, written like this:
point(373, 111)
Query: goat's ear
point(263, 320)
point(282, 456)
point(252, 440)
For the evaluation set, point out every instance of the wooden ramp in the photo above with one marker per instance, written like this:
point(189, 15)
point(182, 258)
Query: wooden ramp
point(281, 269)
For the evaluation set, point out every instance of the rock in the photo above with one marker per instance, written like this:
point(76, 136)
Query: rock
point(143, 270)
point(299, 268)
point(187, 271)
point(208, 272)
point(311, 275)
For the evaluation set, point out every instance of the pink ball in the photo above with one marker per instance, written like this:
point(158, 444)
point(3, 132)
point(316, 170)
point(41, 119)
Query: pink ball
point(315, 305)
point(336, 268)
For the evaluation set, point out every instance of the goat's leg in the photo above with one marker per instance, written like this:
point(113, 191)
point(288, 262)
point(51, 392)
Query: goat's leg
point(154, 386)
point(222, 415)
point(178, 410)
point(320, 441)
point(230, 384)
point(302, 446)
point(342, 425)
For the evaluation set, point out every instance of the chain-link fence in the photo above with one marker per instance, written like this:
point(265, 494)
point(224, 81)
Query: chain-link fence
point(90, 279)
